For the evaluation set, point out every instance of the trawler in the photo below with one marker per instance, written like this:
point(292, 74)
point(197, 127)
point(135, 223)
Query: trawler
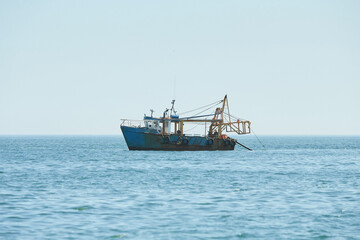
point(167, 133)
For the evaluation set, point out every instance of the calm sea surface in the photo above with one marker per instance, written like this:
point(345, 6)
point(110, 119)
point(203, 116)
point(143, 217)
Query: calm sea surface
point(92, 187)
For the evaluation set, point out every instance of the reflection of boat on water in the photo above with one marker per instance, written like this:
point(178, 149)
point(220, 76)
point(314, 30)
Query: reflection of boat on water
point(166, 133)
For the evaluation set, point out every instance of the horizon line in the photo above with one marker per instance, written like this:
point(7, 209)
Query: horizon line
point(285, 135)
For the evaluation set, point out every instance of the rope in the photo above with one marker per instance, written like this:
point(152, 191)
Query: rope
point(211, 104)
point(192, 127)
point(204, 110)
point(258, 139)
point(235, 117)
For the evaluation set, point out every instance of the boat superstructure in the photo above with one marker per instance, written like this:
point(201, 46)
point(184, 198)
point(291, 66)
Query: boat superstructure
point(167, 133)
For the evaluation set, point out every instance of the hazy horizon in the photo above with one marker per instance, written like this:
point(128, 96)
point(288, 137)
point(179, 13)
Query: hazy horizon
point(119, 134)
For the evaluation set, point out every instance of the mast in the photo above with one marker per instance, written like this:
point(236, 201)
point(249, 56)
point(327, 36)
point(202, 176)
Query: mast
point(220, 123)
point(222, 116)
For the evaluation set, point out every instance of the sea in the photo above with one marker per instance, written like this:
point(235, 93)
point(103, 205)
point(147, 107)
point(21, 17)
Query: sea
point(93, 187)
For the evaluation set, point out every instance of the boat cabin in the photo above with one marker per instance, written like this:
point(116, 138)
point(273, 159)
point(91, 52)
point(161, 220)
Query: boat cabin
point(152, 123)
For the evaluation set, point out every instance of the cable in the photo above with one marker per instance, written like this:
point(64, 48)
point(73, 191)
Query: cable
point(204, 110)
point(258, 139)
point(235, 117)
point(192, 127)
point(215, 103)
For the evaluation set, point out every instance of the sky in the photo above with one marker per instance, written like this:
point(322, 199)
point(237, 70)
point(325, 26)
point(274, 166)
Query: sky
point(78, 67)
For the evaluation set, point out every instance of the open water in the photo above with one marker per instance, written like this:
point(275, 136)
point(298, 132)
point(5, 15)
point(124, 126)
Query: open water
point(92, 187)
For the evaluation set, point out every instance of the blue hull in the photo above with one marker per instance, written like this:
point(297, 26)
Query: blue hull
point(142, 139)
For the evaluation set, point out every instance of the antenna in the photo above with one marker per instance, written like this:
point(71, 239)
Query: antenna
point(173, 101)
point(152, 111)
point(175, 87)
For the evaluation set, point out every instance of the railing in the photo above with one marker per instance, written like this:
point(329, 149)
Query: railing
point(132, 123)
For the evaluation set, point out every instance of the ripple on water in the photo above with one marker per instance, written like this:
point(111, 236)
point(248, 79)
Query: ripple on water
point(92, 187)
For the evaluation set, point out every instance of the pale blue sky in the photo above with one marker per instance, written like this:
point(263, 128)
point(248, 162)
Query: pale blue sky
point(77, 67)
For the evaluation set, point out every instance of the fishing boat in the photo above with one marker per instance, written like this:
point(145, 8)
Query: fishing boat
point(167, 133)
